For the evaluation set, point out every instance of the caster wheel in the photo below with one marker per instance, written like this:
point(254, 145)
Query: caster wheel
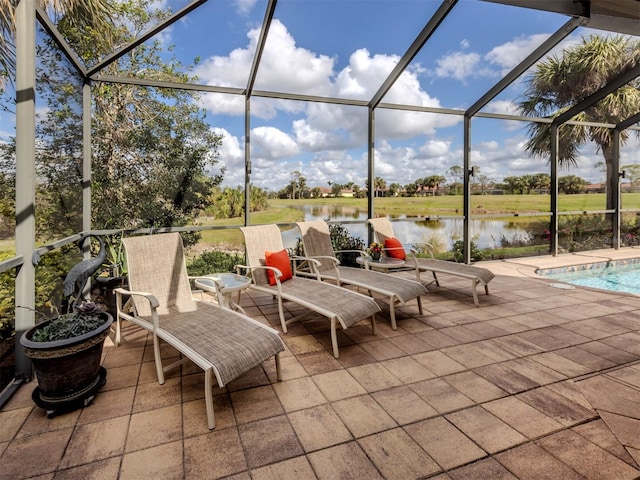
point(51, 413)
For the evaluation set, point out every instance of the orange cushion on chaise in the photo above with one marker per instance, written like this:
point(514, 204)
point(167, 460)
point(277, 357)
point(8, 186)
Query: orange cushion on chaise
point(396, 248)
point(279, 260)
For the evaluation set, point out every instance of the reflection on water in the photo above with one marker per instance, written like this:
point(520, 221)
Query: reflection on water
point(441, 233)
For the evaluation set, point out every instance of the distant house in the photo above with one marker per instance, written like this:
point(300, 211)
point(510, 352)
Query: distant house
point(595, 188)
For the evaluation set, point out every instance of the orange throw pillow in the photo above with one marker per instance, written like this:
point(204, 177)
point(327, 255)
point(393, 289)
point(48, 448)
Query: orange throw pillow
point(279, 260)
point(397, 250)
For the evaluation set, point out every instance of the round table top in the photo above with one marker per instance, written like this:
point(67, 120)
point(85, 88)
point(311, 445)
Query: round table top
point(383, 262)
point(230, 282)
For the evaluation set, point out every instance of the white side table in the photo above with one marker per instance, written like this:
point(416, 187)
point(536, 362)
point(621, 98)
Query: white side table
point(223, 285)
point(384, 264)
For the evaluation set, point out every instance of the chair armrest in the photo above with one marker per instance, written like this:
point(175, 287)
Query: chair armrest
point(361, 252)
point(153, 301)
point(426, 247)
point(250, 270)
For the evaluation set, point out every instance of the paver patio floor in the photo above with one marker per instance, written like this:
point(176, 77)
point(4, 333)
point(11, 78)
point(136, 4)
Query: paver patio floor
point(537, 383)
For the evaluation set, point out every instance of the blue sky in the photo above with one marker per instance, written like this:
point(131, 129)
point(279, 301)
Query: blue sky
point(346, 48)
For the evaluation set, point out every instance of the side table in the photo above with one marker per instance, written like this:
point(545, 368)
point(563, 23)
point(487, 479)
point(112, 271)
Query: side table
point(223, 285)
point(383, 264)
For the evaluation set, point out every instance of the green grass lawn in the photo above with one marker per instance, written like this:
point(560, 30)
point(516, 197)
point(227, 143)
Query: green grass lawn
point(231, 239)
point(452, 205)
point(281, 211)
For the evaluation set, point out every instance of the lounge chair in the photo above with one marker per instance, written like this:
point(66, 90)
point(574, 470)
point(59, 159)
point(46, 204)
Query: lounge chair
point(222, 342)
point(478, 276)
point(338, 304)
point(316, 241)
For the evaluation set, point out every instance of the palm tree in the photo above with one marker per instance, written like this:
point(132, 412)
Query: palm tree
point(78, 14)
point(557, 84)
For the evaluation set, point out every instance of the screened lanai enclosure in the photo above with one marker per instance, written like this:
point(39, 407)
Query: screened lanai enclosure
point(127, 121)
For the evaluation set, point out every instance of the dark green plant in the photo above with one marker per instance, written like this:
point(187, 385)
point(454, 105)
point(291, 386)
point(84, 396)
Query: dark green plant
point(6, 329)
point(458, 252)
point(85, 319)
point(214, 261)
point(341, 239)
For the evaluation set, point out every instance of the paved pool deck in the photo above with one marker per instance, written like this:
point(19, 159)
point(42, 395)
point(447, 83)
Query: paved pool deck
point(537, 383)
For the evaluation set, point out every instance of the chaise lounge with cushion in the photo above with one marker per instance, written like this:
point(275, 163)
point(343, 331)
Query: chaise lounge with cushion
point(383, 230)
point(316, 241)
point(270, 269)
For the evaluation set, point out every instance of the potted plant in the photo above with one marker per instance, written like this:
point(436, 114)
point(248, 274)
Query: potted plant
point(375, 250)
point(113, 274)
point(66, 352)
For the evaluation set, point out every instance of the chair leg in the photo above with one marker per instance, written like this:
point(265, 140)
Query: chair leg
point(474, 289)
point(392, 313)
point(334, 338)
point(208, 397)
point(158, 359)
point(283, 322)
point(278, 371)
point(118, 334)
point(419, 299)
point(374, 329)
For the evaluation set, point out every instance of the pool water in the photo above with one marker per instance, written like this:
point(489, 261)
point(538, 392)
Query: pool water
point(622, 276)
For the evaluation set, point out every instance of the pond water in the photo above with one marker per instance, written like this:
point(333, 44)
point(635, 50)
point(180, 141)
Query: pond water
point(443, 232)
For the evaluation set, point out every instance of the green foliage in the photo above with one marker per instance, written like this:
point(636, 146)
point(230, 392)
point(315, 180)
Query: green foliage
point(341, 239)
point(458, 252)
point(229, 202)
point(68, 325)
point(214, 261)
point(152, 149)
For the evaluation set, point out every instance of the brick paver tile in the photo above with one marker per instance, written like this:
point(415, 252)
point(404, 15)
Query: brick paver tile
point(439, 363)
point(474, 386)
point(557, 406)
point(398, 456)
point(160, 462)
point(374, 377)
point(531, 462)
point(468, 356)
point(255, 404)
point(343, 461)
point(96, 441)
point(586, 458)
point(338, 385)
point(363, 416)
point(215, 455)
point(404, 405)
point(506, 378)
point(485, 469)
point(407, 369)
point(444, 443)
point(297, 468)
point(488, 431)
point(523, 417)
point(298, 394)
point(599, 433)
point(270, 440)
point(440, 395)
point(319, 427)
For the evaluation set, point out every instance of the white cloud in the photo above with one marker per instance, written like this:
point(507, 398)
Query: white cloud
point(245, 6)
point(272, 144)
point(458, 65)
point(510, 54)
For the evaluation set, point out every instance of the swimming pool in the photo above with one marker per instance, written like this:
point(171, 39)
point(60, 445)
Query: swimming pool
point(616, 276)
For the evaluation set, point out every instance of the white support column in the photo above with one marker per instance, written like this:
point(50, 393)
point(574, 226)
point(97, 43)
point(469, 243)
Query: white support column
point(25, 174)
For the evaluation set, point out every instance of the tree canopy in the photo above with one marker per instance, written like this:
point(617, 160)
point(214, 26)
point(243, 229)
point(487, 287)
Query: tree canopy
point(560, 82)
point(153, 153)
